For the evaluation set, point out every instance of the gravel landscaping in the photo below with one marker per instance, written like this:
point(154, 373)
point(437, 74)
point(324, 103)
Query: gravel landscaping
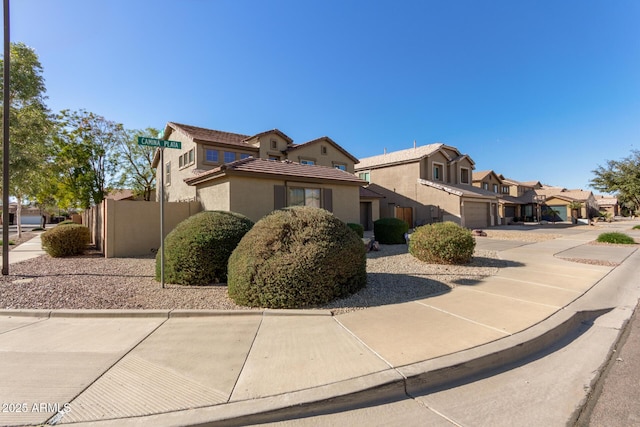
point(94, 282)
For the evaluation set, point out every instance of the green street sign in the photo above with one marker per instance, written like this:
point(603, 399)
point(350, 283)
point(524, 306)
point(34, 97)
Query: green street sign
point(161, 143)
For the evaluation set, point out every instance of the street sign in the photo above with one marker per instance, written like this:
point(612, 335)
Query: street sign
point(161, 143)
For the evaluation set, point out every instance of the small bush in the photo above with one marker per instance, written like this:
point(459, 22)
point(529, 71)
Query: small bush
point(636, 227)
point(390, 231)
point(196, 252)
point(359, 229)
point(37, 229)
point(442, 243)
point(296, 257)
point(615, 237)
point(72, 239)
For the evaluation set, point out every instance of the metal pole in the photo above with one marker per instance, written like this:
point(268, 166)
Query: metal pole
point(162, 172)
point(5, 145)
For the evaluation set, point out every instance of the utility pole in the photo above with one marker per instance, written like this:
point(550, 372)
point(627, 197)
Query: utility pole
point(5, 145)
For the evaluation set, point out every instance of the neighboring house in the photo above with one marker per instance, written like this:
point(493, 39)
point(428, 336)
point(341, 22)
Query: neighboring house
point(560, 204)
point(429, 184)
point(253, 175)
point(608, 204)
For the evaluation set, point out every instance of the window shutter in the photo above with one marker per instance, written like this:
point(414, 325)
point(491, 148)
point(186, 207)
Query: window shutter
point(279, 197)
point(327, 199)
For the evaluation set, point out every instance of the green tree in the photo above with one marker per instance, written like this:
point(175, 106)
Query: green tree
point(621, 177)
point(84, 145)
point(29, 125)
point(135, 160)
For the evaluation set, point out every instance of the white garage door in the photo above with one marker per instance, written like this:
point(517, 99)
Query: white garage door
point(476, 214)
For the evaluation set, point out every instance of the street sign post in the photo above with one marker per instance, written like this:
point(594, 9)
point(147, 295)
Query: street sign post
point(161, 144)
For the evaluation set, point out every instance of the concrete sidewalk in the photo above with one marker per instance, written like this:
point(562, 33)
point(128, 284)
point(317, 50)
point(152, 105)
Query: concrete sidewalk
point(29, 249)
point(177, 367)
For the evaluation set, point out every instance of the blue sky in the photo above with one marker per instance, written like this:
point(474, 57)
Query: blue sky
point(535, 90)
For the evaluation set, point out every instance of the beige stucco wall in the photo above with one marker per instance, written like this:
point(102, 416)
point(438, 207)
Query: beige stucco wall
point(264, 143)
point(314, 152)
point(132, 228)
point(254, 197)
point(177, 190)
point(214, 195)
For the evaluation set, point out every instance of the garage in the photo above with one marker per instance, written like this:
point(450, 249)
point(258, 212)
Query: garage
point(559, 215)
point(475, 214)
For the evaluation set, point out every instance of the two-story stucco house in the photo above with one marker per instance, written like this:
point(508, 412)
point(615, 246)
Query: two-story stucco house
point(253, 175)
point(428, 184)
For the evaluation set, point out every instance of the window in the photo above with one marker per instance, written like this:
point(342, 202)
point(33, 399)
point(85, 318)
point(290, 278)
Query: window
point(274, 144)
point(180, 162)
point(505, 189)
point(229, 156)
point(304, 197)
point(323, 150)
point(438, 172)
point(485, 186)
point(211, 155)
point(365, 176)
point(340, 166)
point(275, 158)
point(307, 162)
point(464, 175)
point(495, 188)
point(192, 155)
point(167, 173)
point(244, 155)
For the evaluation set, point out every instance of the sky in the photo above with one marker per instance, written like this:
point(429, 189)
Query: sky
point(535, 90)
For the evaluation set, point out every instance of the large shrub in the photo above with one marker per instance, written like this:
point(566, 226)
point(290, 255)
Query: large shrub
point(616, 237)
point(71, 239)
point(390, 231)
point(296, 257)
point(442, 243)
point(196, 252)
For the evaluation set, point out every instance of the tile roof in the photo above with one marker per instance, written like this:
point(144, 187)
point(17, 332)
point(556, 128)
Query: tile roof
point(286, 168)
point(330, 141)
point(267, 132)
point(402, 156)
point(209, 135)
point(460, 190)
point(370, 194)
point(606, 200)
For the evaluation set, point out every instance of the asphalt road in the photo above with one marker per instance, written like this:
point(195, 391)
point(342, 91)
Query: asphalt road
point(616, 397)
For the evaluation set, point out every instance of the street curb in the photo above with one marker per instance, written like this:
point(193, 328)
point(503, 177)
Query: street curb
point(379, 387)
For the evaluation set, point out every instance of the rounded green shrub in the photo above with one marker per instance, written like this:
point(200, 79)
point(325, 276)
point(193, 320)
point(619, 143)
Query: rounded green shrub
point(359, 229)
point(442, 243)
point(72, 239)
point(615, 237)
point(197, 251)
point(390, 231)
point(636, 227)
point(296, 257)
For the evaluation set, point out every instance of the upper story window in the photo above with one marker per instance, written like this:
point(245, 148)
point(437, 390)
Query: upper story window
point(340, 166)
point(495, 188)
point(307, 162)
point(323, 150)
point(485, 185)
point(464, 176)
point(244, 155)
point(229, 156)
point(505, 189)
point(365, 176)
point(167, 173)
point(274, 144)
point(438, 172)
point(187, 158)
point(211, 155)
